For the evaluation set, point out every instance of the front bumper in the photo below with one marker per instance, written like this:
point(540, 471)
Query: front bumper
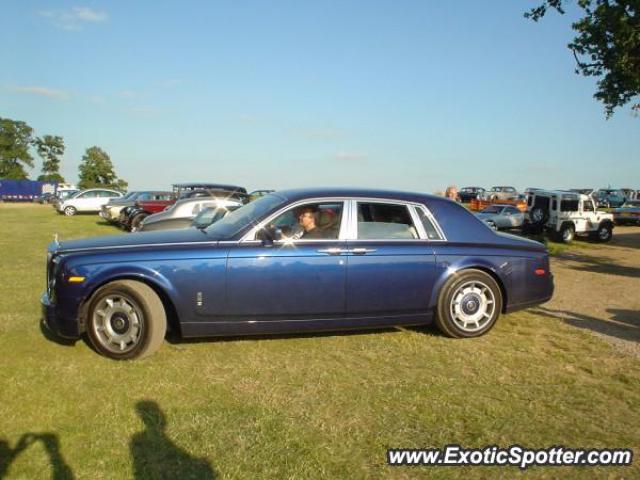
point(67, 328)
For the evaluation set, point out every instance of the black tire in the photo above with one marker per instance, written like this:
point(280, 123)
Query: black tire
point(135, 221)
point(447, 320)
point(567, 233)
point(126, 334)
point(70, 211)
point(604, 232)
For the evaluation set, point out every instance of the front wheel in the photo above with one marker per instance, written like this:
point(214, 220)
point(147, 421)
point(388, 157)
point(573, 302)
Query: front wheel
point(604, 233)
point(136, 221)
point(70, 211)
point(126, 320)
point(469, 304)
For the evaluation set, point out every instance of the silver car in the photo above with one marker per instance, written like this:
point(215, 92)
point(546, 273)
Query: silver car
point(501, 217)
point(182, 213)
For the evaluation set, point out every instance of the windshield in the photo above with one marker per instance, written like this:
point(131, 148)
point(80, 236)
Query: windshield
point(251, 213)
point(130, 195)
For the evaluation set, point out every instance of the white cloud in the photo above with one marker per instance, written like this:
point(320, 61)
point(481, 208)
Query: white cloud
point(349, 156)
point(75, 18)
point(42, 91)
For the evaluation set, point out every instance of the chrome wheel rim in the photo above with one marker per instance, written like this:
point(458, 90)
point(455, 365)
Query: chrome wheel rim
point(117, 323)
point(69, 211)
point(472, 306)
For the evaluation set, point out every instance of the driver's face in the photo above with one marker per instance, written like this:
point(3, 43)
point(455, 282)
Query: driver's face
point(306, 220)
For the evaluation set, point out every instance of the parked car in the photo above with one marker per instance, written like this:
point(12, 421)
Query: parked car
point(565, 214)
point(133, 217)
point(627, 214)
point(111, 211)
point(210, 215)
point(501, 193)
point(609, 198)
point(90, 200)
point(466, 194)
point(380, 259)
point(501, 217)
point(182, 213)
point(256, 194)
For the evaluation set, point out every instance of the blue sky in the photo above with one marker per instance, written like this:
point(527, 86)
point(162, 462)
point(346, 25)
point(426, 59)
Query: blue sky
point(414, 95)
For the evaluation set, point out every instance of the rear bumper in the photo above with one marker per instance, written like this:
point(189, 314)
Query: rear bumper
point(545, 297)
point(64, 327)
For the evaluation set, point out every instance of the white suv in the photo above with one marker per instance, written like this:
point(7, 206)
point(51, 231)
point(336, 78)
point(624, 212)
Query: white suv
point(565, 214)
point(87, 201)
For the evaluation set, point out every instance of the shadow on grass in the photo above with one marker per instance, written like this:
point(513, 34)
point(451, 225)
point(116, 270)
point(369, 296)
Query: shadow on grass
point(59, 468)
point(589, 263)
point(624, 324)
point(155, 455)
point(626, 239)
point(52, 337)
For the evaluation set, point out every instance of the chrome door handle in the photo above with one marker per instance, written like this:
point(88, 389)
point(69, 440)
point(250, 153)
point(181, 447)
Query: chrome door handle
point(333, 251)
point(362, 251)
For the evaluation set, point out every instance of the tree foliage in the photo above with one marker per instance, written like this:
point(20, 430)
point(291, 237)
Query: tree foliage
point(96, 170)
point(15, 140)
point(607, 46)
point(50, 148)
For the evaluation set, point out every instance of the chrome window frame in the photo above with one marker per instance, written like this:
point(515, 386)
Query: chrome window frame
point(349, 225)
point(249, 237)
point(411, 206)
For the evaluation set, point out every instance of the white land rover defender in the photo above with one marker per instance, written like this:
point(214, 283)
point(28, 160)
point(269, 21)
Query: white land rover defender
point(563, 215)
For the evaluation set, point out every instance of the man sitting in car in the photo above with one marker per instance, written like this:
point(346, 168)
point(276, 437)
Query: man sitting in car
point(308, 219)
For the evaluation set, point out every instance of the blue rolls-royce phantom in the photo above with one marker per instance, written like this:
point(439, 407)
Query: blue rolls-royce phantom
point(295, 261)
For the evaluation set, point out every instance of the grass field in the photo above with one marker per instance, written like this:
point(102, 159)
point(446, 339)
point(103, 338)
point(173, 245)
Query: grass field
point(317, 406)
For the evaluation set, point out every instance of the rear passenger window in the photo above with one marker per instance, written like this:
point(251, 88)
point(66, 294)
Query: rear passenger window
point(432, 233)
point(384, 221)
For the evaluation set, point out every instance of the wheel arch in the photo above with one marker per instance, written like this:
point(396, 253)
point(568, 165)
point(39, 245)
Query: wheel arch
point(173, 321)
point(488, 269)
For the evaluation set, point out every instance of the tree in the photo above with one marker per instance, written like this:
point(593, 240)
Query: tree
point(50, 148)
point(96, 170)
point(15, 140)
point(607, 46)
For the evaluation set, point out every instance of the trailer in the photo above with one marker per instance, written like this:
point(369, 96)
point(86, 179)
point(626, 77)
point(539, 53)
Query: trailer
point(25, 190)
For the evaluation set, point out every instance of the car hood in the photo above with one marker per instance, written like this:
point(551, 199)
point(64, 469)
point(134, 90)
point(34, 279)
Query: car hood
point(139, 239)
point(485, 216)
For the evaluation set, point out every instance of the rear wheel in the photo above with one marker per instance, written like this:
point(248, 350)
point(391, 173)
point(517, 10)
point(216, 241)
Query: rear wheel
point(126, 320)
point(469, 304)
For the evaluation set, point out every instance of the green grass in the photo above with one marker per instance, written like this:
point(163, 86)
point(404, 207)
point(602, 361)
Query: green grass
point(325, 406)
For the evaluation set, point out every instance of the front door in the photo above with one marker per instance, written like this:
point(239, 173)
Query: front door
point(299, 277)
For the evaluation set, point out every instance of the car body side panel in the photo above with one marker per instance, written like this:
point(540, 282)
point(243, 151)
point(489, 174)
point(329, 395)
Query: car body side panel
point(393, 277)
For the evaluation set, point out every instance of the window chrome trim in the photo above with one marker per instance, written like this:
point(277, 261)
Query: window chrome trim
point(250, 235)
point(434, 222)
point(349, 224)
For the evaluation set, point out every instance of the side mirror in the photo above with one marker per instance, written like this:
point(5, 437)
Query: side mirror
point(269, 234)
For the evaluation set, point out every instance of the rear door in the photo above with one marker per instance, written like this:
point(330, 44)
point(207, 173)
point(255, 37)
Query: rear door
point(391, 265)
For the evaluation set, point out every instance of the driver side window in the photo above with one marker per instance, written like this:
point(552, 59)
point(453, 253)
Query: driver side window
point(311, 221)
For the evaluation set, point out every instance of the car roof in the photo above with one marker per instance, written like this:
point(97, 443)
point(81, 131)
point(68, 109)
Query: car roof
point(302, 193)
point(220, 186)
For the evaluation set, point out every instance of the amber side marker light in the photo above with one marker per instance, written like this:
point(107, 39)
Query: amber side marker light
point(540, 271)
point(76, 279)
